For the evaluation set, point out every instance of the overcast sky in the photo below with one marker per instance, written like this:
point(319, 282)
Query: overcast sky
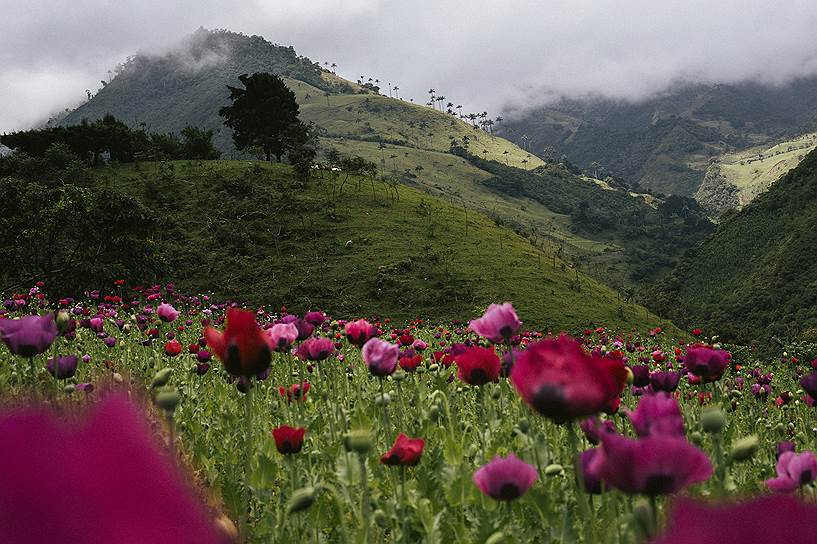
point(496, 55)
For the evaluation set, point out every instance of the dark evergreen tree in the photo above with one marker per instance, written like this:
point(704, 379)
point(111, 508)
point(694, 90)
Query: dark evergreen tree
point(264, 114)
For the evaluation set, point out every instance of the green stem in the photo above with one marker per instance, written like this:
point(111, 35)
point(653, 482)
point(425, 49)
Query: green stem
point(386, 422)
point(364, 500)
point(248, 447)
point(581, 496)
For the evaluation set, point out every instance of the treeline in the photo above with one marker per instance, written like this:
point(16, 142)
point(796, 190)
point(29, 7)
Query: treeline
point(111, 139)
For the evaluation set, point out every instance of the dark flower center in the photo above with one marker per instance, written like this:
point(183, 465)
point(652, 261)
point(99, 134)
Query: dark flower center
point(478, 376)
point(508, 492)
point(659, 484)
point(549, 400)
point(806, 477)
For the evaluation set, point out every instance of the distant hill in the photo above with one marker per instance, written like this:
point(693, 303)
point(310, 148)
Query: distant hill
point(666, 143)
point(734, 179)
point(252, 231)
point(755, 276)
point(410, 143)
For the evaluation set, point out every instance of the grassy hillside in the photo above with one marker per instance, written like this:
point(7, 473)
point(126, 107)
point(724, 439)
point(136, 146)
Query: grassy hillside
point(755, 275)
point(667, 142)
point(410, 143)
point(735, 179)
point(249, 230)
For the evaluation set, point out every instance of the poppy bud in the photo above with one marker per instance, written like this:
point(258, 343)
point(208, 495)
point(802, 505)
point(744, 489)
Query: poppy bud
point(744, 449)
point(117, 377)
point(168, 400)
point(712, 421)
point(69, 388)
point(359, 441)
point(301, 500)
point(523, 425)
point(696, 438)
point(380, 519)
point(643, 516)
point(383, 400)
point(496, 538)
point(161, 378)
point(630, 376)
point(496, 393)
point(63, 321)
point(554, 470)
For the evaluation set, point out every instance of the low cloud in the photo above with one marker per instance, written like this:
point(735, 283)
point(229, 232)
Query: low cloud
point(486, 55)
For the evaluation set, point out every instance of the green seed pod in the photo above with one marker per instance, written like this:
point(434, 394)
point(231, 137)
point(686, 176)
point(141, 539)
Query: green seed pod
point(301, 500)
point(358, 440)
point(744, 449)
point(168, 400)
point(713, 420)
point(161, 378)
point(554, 470)
point(496, 393)
point(63, 320)
point(780, 428)
point(523, 425)
point(383, 399)
point(643, 516)
point(696, 438)
point(70, 388)
point(496, 538)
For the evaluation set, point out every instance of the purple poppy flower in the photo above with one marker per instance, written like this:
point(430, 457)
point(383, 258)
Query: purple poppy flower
point(112, 485)
point(316, 349)
point(498, 324)
point(809, 384)
point(656, 465)
point(282, 335)
point(665, 381)
point(793, 471)
point(592, 428)
point(315, 318)
point(657, 414)
point(775, 518)
point(167, 313)
point(88, 388)
point(505, 478)
point(110, 341)
point(30, 335)
point(782, 447)
point(641, 375)
point(380, 357)
point(66, 366)
point(707, 363)
point(590, 476)
point(96, 324)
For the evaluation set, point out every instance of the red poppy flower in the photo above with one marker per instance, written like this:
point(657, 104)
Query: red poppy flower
point(288, 439)
point(560, 380)
point(173, 348)
point(295, 392)
point(405, 451)
point(242, 347)
point(478, 366)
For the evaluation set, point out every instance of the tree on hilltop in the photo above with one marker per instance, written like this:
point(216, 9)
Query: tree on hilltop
point(264, 114)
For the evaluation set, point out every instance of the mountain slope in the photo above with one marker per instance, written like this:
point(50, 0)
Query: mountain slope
point(734, 179)
point(755, 276)
point(252, 231)
point(666, 143)
point(410, 143)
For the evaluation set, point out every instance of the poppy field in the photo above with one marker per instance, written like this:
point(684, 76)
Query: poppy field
point(142, 414)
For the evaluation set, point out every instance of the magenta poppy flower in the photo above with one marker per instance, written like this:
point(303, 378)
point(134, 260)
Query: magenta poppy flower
point(282, 335)
point(359, 332)
point(315, 318)
point(665, 381)
point(793, 471)
point(641, 375)
point(657, 414)
point(478, 366)
point(505, 478)
point(592, 428)
point(167, 313)
point(30, 335)
point(656, 465)
point(809, 384)
point(65, 368)
point(316, 349)
point(772, 518)
point(498, 324)
point(96, 324)
point(590, 476)
point(111, 485)
point(380, 357)
point(560, 380)
point(707, 363)
point(288, 440)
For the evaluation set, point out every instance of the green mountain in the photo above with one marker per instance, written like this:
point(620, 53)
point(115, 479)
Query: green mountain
point(754, 277)
point(411, 144)
point(666, 143)
point(252, 231)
